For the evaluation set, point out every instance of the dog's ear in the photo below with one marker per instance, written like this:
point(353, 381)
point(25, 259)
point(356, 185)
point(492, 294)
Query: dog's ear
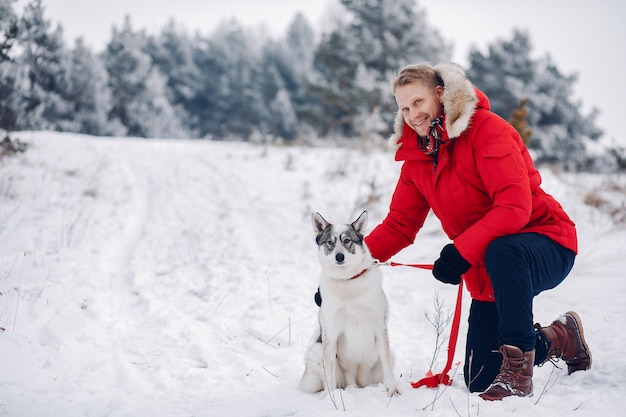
point(359, 224)
point(319, 223)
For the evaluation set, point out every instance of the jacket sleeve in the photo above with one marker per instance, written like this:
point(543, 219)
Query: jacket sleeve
point(499, 161)
point(407, 213)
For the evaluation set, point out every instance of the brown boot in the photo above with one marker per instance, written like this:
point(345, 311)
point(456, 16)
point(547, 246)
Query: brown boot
point(568, 342)
point(515, 377)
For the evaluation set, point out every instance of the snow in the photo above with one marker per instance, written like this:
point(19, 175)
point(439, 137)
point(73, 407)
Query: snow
point(176, 278)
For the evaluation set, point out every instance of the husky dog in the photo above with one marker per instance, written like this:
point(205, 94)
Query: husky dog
point(351, 346)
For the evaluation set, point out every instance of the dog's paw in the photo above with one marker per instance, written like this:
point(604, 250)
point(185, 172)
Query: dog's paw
point(393, 392)
point(311, 383)
point(325, 393)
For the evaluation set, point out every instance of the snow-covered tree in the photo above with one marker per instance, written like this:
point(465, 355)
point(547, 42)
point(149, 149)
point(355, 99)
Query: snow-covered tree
point(46, 60)
point(505, 73)
point(10, 97)
point(8, 29)
point(283, 116)
point(357, 60)
point(88, 92)
point(13, 86)
point(138, 90)
point(389, 34)
point(508, 73)
point(300, 45)
point(156, 117)
point(229, 101)
point(172, 53)
point(127, 69)
point(286, 65)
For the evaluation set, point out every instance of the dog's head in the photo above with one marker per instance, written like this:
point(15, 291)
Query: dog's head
point(341, 249)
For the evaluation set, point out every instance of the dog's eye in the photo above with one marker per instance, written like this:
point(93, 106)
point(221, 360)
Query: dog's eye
point(347, 241)
point(330, 242)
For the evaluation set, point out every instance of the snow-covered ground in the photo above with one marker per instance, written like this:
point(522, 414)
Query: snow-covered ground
point(176, 278)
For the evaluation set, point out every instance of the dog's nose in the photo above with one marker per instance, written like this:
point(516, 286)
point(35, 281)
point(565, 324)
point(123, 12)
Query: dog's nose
point(339, 257)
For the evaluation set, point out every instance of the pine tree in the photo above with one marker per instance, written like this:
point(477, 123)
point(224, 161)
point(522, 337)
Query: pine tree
point(508, 73)
point(8, 29)
point(229, 102)
point(13, 86)
point(300, 45)
point(357, 60)
point(88, 92)
point(138, 90)
point(127, 69)
point(9, 71)
point(505, 73)
point(172, 54)
point(285, 67)
point(46, 60)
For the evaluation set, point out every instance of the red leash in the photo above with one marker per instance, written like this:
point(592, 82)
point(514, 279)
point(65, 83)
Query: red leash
point(433, 381)
point(421, 266)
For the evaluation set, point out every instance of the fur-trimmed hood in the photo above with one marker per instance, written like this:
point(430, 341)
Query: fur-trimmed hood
point(459, 99)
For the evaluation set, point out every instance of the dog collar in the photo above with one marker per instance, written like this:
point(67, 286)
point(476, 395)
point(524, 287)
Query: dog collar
point(360, 273)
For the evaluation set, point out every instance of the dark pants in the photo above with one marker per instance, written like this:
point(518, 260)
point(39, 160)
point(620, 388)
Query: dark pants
point(520, 267)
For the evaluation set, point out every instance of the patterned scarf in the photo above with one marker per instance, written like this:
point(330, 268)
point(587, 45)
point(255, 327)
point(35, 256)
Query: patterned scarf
point(430, 144)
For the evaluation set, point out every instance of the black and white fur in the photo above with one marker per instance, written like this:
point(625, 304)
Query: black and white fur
point(352, 344)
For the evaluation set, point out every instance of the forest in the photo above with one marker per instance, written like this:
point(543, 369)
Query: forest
point(239, 84)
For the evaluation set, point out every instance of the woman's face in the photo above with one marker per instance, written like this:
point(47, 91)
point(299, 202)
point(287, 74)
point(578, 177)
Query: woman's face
point(419, 104)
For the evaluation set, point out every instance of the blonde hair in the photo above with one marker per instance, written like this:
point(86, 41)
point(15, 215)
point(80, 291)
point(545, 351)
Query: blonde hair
point(420, 73)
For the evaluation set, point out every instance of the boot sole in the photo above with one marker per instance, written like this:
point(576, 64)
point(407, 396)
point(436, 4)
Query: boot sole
point(579, 325)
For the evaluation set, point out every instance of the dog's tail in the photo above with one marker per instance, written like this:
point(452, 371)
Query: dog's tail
point(313, 379)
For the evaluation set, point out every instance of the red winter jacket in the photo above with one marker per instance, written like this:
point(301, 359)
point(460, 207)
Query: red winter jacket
point(484, 186)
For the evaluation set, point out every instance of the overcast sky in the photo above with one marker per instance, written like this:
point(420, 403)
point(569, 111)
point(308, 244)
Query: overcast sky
point(581, 36)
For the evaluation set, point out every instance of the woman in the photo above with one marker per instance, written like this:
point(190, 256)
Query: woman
point(511, 240)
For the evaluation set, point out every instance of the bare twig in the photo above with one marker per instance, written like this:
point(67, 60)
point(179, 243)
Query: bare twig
point(269, 294)
point(331, 390)
point(19, 290)
point(547, 385)
point(453, 406)
point(287, 326)
point(440, 321)
point(45, 283)
point(343, 404)
point(471, 378)
point(75, 234)
point(440, 392)
point(395, 389)
point(271, 373)
point(259, 339)
point(218, 305)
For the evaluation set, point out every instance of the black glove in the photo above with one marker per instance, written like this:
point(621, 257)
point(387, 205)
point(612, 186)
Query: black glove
point(450, 265)
point(318, 297)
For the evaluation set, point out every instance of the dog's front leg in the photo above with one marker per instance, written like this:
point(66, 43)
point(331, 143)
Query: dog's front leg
point(329, 343)
point(384, 352)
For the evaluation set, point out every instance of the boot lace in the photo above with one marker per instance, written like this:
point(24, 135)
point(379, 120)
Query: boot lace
point(508, 362)
point(507, 376)
point(553, 356)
